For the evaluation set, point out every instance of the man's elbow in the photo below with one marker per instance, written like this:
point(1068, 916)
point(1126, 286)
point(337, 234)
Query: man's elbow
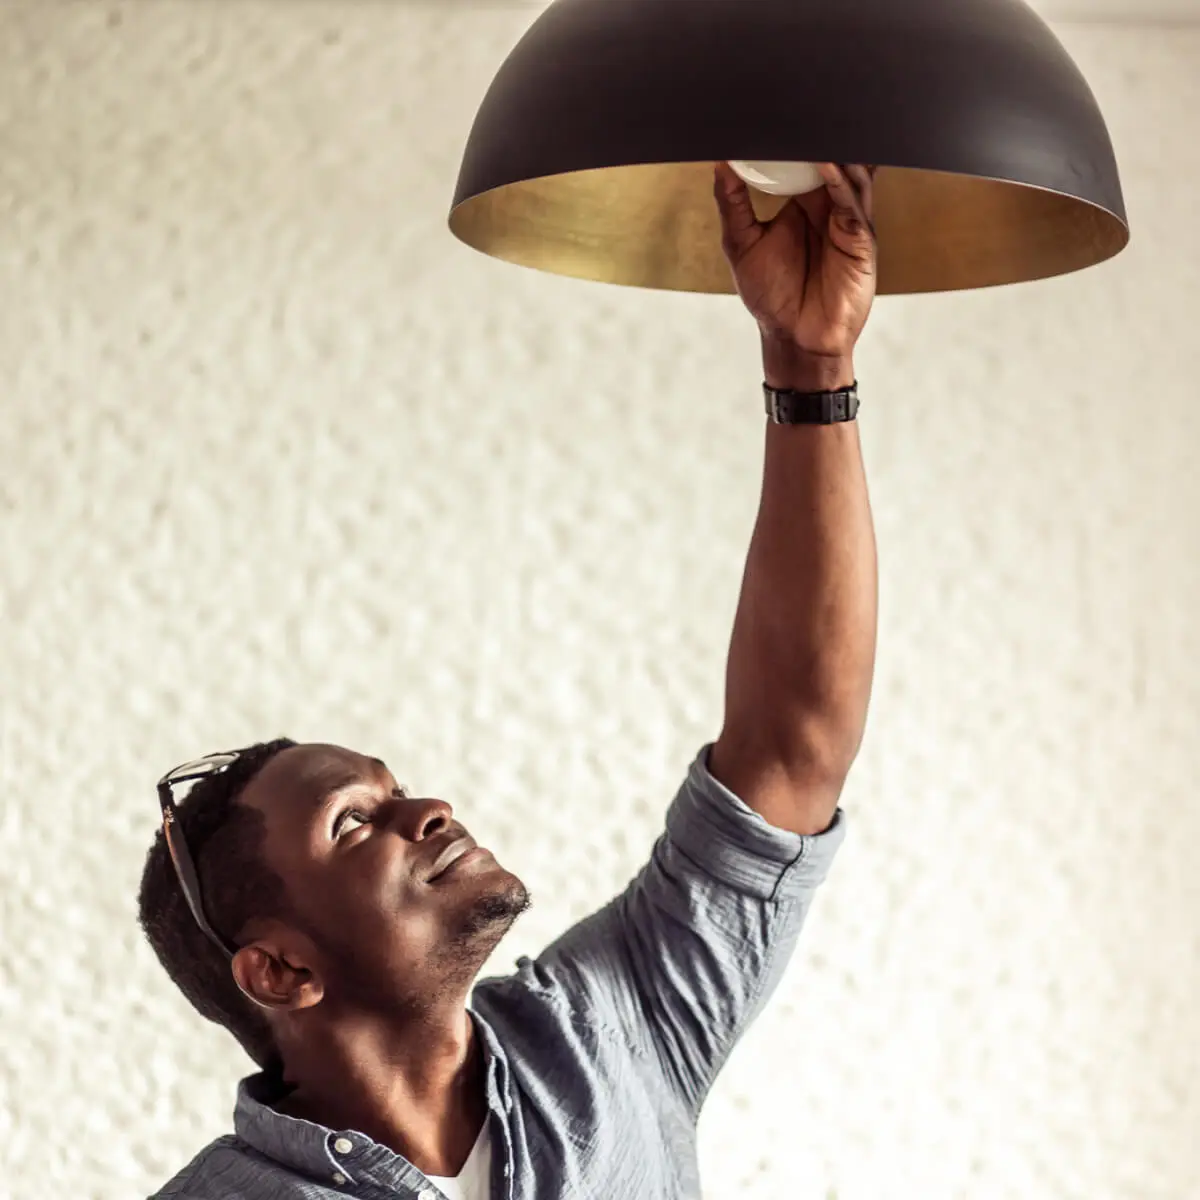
point(811, 730)
point(820, 743)
point(812, 742)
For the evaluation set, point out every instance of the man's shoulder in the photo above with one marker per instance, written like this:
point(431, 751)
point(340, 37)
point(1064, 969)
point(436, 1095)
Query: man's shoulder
point(213, 1174)
point(530, 993)
point(546, 1010)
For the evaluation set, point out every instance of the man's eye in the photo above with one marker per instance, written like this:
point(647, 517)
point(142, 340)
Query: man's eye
point(343, 822)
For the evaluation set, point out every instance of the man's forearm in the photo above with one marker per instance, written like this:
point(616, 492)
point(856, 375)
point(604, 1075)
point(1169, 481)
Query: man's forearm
point(803, 648)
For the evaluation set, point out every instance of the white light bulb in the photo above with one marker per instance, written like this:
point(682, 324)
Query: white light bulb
point(780, 178)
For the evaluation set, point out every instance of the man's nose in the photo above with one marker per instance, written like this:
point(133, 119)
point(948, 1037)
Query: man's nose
point(422, 818)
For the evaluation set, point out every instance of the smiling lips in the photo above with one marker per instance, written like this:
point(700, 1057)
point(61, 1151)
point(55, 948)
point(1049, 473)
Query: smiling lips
point(450, 855)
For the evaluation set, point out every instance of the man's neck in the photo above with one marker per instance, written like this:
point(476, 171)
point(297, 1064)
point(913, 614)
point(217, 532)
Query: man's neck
point(418, 1088)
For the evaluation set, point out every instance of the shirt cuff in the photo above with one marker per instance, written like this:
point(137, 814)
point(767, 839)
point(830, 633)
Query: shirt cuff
point(728, 840)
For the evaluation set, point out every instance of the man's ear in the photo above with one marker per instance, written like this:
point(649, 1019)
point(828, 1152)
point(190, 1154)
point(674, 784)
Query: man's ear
point(276, 975)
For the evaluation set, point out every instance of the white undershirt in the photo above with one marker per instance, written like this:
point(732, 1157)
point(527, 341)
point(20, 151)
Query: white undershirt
point(474, 1181)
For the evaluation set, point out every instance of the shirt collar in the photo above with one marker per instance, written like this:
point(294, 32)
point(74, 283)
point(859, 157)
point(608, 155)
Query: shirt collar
point(320, 1153)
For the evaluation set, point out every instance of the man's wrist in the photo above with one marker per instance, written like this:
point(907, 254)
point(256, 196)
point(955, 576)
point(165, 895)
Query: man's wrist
point(787, 366)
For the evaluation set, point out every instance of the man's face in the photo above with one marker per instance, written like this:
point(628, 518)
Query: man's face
point(398, 903)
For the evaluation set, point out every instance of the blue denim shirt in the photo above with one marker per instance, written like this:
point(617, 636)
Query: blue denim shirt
point(601, 1051)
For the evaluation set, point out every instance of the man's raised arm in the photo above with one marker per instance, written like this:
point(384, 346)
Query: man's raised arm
point(803, 648)
point(676, 967)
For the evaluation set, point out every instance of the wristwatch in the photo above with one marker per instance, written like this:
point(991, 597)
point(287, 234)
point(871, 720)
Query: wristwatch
point(811, 408)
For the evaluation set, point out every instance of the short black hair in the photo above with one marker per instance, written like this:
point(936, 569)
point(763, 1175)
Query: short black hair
point(226, 841)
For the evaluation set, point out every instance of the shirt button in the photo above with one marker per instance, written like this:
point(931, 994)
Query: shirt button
point(343, 1145)
point(428, 1194)
point(339, 1178)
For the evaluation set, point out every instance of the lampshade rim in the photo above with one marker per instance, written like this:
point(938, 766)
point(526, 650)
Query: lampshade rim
point(1121, 217)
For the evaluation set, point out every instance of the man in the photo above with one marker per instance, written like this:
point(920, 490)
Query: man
point(335, 924)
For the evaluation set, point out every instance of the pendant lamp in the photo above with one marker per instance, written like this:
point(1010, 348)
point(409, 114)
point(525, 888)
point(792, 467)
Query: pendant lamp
point(592, 154)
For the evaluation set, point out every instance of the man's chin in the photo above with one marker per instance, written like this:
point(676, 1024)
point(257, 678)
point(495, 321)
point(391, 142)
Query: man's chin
point(486, 917)
point(499, 905)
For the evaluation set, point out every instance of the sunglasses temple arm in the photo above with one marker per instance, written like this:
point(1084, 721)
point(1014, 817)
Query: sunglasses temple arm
point(186, 871)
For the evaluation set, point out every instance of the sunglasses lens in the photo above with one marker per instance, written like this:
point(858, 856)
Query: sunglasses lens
point(202, 767)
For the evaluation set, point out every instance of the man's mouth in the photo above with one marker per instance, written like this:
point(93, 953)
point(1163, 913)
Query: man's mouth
point(450, 855)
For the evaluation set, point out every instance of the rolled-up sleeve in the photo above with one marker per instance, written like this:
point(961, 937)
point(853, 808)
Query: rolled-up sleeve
point(685, 958)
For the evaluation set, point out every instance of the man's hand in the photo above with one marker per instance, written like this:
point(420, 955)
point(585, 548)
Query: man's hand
point(807, 277)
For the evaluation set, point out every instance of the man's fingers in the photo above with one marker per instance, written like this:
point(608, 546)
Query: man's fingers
point(740, 225)
point(849, 207)
point(841, 190)
point(863, 180)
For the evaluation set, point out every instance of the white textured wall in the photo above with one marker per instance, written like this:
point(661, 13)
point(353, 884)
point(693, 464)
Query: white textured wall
point(277, 455)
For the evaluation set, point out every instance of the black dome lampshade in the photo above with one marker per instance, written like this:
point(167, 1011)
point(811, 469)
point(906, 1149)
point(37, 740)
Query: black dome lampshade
point(593, 151)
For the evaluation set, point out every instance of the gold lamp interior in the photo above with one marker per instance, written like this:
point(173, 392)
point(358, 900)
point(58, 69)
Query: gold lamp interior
point(656, 226)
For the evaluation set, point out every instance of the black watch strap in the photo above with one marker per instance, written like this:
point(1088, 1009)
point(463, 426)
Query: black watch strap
point(811, 408)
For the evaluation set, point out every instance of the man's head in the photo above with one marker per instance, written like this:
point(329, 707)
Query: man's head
point(328, 877)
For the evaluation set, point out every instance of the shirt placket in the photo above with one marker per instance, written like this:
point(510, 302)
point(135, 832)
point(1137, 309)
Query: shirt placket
point(499, 1107)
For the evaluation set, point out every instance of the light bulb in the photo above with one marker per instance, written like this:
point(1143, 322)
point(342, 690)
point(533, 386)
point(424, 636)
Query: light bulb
point(780, 178)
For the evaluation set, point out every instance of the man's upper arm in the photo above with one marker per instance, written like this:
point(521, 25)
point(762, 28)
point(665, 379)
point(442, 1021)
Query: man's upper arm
point(683, 960)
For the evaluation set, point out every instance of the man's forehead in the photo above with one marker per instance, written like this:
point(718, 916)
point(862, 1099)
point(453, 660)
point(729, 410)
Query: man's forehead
point(309, 772)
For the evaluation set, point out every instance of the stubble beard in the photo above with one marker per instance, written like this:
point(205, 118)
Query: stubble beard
point(480, 930)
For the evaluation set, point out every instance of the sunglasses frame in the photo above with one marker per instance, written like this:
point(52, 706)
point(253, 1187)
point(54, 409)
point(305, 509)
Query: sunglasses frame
point(181, 857)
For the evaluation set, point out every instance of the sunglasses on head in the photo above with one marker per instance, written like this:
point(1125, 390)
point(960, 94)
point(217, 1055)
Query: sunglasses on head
point(185, 867)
